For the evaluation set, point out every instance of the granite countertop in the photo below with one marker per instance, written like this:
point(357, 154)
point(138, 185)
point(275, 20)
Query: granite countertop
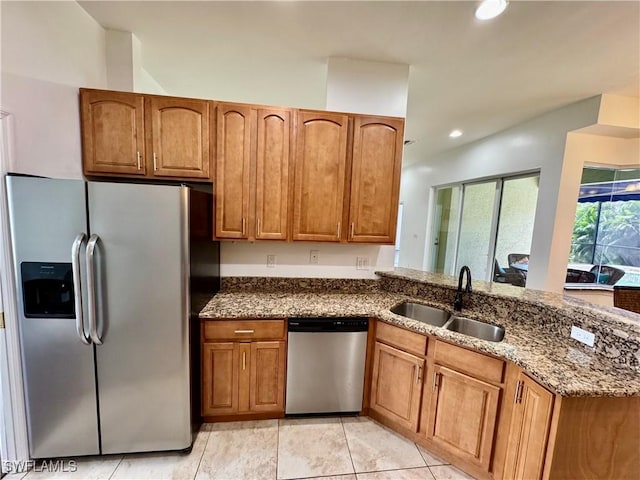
point(561, 364)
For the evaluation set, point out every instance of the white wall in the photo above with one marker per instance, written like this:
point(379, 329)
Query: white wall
point(124, 65)
point(292, 259)
point(49, 50)
point(537, 144)
point(360, 86)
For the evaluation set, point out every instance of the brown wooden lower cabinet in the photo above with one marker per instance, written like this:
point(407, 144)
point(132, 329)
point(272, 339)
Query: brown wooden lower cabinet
point(462, 415)
point(529, 430)
point(397, 385)
point(243, 377)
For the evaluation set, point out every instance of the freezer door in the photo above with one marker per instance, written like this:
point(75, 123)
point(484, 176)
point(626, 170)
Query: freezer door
point(141, 270)
point(46, 216)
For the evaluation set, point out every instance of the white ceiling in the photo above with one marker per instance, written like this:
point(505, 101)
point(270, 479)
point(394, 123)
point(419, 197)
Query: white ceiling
point(480, 77)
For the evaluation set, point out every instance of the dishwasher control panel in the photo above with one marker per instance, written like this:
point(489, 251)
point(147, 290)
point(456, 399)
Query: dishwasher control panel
point(328, 324)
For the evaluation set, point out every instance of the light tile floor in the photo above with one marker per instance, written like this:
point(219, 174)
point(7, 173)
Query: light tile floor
point(348, 448)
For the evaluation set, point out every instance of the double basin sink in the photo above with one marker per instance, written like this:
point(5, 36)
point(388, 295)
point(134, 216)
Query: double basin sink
point(455, 323)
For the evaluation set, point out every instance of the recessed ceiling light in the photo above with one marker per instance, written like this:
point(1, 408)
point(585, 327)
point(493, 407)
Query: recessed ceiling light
point(455, 134)
point(489, 9)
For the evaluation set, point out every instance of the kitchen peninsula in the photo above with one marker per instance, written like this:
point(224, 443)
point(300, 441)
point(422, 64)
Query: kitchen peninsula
point(538, 404)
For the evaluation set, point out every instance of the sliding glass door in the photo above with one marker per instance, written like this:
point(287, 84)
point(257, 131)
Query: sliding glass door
point(477, 227)
point(487, 226)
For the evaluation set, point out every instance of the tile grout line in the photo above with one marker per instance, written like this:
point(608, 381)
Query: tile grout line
point(346, 440)
point(195, 475)
point(116, 469)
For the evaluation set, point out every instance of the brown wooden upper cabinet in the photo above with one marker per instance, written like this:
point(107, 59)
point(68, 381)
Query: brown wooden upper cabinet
point(253, 160)
point(178, 139)
point(112, 132)
point(127, 134)
point(375, 179)
point(273, 163)
point(319, 185)
point(233, 157)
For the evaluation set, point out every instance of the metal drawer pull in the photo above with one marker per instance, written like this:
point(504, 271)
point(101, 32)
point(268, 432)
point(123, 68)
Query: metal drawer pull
point(138, 158)
point(517, 398)
point(338, 230)
point(243, 331)
point(244, 360)
point(353, 225)
point(155, 162)
point(435, 381)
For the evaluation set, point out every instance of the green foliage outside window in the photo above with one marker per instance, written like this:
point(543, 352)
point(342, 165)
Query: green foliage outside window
point(607, 233)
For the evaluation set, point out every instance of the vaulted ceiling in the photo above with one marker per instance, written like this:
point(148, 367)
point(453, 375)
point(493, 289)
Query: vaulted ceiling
point(480, 77)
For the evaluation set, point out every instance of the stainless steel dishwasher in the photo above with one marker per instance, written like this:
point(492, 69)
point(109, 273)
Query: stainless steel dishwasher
point(325, 364)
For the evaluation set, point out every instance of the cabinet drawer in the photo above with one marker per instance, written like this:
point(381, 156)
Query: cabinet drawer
point(476, 364)
point(244, 330)
point(399, 337)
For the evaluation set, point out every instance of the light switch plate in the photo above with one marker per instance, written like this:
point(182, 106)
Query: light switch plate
point(271, 261)
point(313, 256)
point(583, 336)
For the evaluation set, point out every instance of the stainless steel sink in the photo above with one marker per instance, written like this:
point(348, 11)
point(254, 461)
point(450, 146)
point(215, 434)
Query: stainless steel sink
point(474, 328)
point(422, 313)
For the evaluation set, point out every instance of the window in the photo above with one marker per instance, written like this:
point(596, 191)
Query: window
point(486, 225)
point(606, 232)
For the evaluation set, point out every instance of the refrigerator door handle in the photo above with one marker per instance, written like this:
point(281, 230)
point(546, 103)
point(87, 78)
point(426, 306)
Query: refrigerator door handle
point(77, 286)
point(91, 290)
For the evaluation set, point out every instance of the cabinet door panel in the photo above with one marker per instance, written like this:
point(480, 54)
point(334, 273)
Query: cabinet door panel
point(219, 378)
point(397, 385)
point(375, 179)
point(273, 160)
point(233, 155)
point(321, 157)
point(463, 415)
point(179, 137)
point(529, 431)
point(112, 132)
point(267, 376)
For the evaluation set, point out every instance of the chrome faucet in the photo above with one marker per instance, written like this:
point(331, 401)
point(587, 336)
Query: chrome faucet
point(457, 303)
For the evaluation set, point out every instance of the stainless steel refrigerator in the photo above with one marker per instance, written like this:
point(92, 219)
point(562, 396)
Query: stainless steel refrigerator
point(103, 277)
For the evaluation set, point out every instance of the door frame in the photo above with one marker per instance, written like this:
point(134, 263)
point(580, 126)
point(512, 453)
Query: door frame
point(14, 443)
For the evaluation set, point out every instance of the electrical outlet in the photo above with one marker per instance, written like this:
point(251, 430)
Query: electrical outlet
point(362, 263)
point(271, 261)
point(313, 256)
point(583, 336)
